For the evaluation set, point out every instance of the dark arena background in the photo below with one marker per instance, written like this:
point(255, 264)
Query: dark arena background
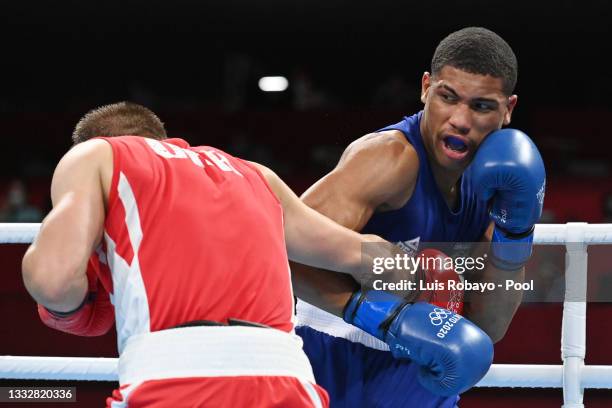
point(352, 67)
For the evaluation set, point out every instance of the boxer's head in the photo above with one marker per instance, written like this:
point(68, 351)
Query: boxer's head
point(119, 119)
point(467, 95)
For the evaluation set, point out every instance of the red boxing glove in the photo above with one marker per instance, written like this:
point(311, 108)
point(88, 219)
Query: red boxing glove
point(94, 317)
point(437, 267)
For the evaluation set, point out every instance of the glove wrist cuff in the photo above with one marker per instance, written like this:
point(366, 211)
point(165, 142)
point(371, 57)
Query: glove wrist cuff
point(63, 315)
point(372, 311)
point(509, 235)
point(510, 251)
point(350, 309)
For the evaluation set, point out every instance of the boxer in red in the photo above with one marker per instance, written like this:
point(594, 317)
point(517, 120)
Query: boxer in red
point(179, 236)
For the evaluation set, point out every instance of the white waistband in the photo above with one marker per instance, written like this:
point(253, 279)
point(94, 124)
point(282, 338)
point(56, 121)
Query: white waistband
point(320, 320)
point(213, 352)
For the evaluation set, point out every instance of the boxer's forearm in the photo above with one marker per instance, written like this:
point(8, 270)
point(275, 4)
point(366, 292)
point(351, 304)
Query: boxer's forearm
point(493, 310)
point(327, 290)
point(53, 275)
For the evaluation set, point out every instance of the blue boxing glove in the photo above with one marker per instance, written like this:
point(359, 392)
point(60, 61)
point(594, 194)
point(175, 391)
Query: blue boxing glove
point(453, 353)
point(509, 170)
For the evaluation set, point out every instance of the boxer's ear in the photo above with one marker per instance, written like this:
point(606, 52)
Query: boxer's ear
point(425, 85)
point(512, 100)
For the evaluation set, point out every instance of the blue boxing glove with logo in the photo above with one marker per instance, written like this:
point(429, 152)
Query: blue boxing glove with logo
point(509, 171)
point(452, 352)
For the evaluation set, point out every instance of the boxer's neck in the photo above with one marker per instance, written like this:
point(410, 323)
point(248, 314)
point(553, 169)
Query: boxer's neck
point(448, 183)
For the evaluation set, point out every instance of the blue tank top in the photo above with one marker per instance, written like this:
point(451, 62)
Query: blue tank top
point(426, 216)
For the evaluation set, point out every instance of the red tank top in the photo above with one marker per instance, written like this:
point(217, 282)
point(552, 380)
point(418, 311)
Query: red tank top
point(191, 233)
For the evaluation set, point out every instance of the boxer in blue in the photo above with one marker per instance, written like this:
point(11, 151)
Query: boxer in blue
point(446, 174)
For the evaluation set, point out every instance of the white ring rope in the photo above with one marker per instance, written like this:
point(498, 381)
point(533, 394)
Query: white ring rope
point(573, 375)
point(105, 369)
point(559, 234)
point(59, 368)
point(18, 233)
point(545, 234)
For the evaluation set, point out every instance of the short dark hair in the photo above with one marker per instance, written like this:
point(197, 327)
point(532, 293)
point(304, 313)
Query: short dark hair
point(119, 119)
point(478, 51)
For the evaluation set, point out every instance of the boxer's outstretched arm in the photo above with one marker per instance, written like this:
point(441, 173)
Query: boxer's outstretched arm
point(374, 172)
point(54, 265)
point(492, 310)
point(314, 239)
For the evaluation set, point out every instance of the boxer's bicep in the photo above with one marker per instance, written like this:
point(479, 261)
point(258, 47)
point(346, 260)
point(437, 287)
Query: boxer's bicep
point(375, 172)
point(54, 266)
point(78, 196)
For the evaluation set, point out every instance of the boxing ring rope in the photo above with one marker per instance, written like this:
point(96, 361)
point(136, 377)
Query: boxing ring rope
point(573, 376)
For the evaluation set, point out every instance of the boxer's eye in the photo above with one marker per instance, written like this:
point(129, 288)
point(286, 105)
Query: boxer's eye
point(448, 97)
point(482, 107)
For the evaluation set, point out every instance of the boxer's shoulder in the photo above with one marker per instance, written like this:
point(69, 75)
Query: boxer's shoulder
point(390, 144)
point(97, 150)
point(84, 161)
point(385, 163)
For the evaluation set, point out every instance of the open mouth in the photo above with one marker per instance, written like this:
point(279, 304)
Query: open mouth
point(454, 147)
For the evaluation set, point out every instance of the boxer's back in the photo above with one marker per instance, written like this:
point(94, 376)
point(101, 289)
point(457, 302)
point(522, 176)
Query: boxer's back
point(192, 234)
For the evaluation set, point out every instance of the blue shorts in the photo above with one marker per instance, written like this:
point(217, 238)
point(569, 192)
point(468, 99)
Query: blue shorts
point(358, 376)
